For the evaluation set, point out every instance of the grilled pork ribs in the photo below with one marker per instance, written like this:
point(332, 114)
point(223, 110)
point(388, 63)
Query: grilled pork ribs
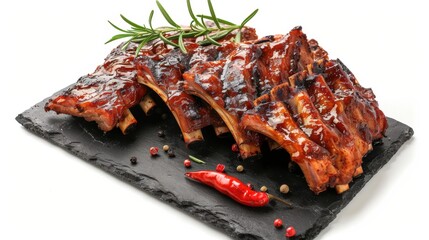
point(281, 87)
point(105, 95)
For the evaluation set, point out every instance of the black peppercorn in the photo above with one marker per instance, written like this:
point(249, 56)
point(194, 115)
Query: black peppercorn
point(161, 134)
point(170, 153)
point(133, 160)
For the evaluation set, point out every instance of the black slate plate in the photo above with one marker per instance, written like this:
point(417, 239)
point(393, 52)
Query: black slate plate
point(163, 177)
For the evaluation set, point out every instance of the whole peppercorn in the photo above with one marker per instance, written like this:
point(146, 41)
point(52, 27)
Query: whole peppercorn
point(234, 147)
point(264, 189)
point(278, 223)
point(153, 151)
point(187, 163)
point(170, 153)
point(165, 148)
point(240, 168)
point(133, 160)
point(290, 232)
point(220, 168)
point(284, 188)
point(161, 133)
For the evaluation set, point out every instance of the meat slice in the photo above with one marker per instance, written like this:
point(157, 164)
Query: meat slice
point(332, 112)
point(105, 95)
point(272, 118)
point(163, 74)
point(363, 113)
point(322, 120)
point(209, 54)
point(282, 56)
point(368, 95)
point(318, 53)
point(161, 70)
point(228, 86)
point(359, 102)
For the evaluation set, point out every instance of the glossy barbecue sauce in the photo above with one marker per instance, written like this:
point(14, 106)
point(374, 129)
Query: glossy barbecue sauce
point(227, 76)
point(163, 72)
point(282, 56)
point(371, 122)
point(251, 87)
point(104, 95)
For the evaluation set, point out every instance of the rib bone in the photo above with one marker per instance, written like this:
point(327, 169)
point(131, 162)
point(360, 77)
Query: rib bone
point(127, 122)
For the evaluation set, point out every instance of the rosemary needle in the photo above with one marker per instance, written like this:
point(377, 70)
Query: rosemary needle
point(196, 160)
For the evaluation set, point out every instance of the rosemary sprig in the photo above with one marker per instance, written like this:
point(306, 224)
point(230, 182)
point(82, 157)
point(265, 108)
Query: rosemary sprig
point(174, 34)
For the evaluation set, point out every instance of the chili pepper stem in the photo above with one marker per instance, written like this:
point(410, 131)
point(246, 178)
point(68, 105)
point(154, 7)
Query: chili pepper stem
point(279, 199)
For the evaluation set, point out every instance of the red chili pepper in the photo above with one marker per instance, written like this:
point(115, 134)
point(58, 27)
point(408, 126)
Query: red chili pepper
point(231, 187)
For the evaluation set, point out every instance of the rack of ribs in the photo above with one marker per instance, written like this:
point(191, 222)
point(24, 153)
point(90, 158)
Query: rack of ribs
point(106, 95)
point(227, 86)
point(163, 71)
point(286, 88)
point(280, 88)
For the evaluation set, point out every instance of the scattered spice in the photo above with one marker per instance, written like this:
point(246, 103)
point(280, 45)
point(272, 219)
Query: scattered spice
point(220, 168)
point(377, 142)
point(165, 148)
point(240, 168)
point(153, 151)
point(284, 188)
point(187, 163)
point(290, 232)
point(264, 189)
point(161, 134)
point(234, 147)
point(278, 223)
point(133, 160)
point(170, 153)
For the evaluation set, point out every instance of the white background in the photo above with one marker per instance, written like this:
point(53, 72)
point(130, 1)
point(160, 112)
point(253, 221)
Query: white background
point(46, 193)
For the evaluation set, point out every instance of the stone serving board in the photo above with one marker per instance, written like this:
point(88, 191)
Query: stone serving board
point(163, 177)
